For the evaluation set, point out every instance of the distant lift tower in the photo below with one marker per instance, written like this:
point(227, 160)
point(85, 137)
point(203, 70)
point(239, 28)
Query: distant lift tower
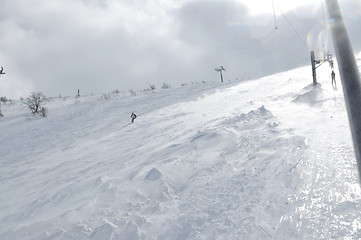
point(327, 58)
point(220, 69)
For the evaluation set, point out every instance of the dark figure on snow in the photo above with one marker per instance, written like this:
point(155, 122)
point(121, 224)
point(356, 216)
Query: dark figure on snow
point(331, 63)
point(133, 116)
point(2, 70)
point(333, 76)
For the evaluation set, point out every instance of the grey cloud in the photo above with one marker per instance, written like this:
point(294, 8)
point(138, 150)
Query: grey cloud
point(97, 46)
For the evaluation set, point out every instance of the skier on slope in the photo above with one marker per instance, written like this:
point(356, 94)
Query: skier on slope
point(2, 70)
point(133, 116)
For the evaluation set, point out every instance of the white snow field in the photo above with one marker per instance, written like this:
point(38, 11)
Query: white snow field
point(270, 158)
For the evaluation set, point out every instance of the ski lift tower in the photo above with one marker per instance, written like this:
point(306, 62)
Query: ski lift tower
point(313, 64)
point(220, 69)
point(327, 58)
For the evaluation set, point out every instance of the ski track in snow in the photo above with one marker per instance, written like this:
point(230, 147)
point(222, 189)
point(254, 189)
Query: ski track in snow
point(265, 159)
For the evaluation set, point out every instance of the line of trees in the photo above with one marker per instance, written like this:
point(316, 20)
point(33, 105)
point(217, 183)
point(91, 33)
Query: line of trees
point(36, 100)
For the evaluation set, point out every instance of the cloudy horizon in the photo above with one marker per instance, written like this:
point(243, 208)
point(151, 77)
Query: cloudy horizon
point(58, 47)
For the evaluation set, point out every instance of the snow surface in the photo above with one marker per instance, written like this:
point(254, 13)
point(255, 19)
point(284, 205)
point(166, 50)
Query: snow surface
point(265, 159)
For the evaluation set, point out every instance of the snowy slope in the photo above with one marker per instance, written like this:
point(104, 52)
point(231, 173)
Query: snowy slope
point(265, 159)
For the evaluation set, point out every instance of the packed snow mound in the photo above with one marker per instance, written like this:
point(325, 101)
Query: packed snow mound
point(155, 187)
point(252, 118)
point(265, 159)
point(311, 95)
point(153, 175)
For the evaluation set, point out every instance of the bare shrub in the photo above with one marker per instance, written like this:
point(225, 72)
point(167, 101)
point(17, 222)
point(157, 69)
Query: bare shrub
point(34, 103)
point(166, 86)
point(151, 89)
point(43, 112)
point(4, 100)
point(132, 92)
point(152, 86)
point(106, 96)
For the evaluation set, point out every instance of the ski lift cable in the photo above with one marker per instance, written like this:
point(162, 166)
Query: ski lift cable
point(325, 29)
point(274, 14)
point(323, 15)
point(294, 29)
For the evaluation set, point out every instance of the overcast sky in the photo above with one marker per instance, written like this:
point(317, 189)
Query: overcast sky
point(97, 46)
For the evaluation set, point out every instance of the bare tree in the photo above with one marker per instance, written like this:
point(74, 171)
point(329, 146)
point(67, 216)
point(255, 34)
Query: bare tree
point(34, 103)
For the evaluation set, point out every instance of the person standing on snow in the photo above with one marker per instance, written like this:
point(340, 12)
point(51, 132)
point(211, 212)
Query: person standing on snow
point(333, 75)
point(331, 64)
